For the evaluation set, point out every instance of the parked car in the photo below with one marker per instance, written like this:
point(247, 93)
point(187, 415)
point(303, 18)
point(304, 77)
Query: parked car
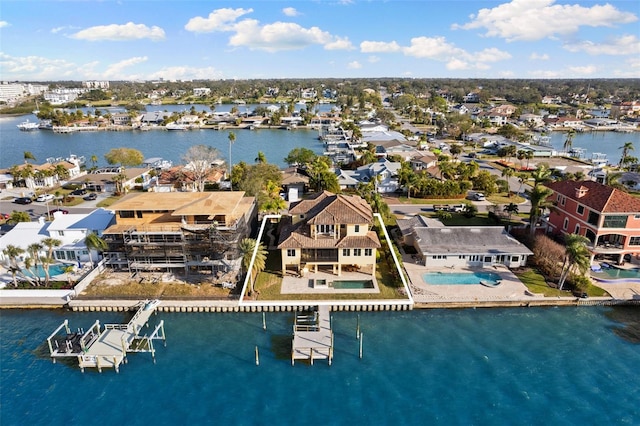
point(23, 200)
point(59, 210)
point(90, 197)
point(45, 197)
point(478, 196)
point(79, 192)
point(456, 208)
point(4, 216)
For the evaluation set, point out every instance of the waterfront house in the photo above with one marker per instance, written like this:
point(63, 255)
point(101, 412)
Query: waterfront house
point(70, 229)
point(609, 218)
point(466, 246)
point(105, 178)
point(181, 232)
point(328, 233)
point(383, 173)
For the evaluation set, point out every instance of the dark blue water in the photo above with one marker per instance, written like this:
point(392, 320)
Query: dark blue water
point(483, 367)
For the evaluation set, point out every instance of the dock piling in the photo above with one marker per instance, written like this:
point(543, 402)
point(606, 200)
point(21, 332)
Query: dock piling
point(361, 338)
point(257, 356)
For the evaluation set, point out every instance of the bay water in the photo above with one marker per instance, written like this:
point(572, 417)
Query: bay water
point(452, 367)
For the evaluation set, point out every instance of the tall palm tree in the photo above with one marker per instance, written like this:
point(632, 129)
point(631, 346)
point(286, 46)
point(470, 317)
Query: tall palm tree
point(94, 243)
point(34, 251)
point(50, 244)
point(626, 149)
point(541, 175)
point(247, 247)
point(232, 140)
point(576, 256)
point(508, 173)
point(12, 252)
point(568, 142)
point(538, 198)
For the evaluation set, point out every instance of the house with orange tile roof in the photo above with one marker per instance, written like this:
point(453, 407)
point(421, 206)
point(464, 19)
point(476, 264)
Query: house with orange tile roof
point(609, 218)
point(329, 233)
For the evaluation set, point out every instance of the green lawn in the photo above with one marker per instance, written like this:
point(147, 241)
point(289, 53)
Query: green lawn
point(269, 282)
point(536, 283)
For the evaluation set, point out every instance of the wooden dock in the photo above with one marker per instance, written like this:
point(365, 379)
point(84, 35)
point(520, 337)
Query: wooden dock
point(107, 347)
point(312, 336)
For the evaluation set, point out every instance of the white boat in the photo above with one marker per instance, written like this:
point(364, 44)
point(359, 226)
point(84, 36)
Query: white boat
point(175, 126)
point(27, 126)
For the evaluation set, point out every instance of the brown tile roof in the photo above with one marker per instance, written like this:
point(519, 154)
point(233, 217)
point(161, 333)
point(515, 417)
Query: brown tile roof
point(328, 208)
point(598, 197)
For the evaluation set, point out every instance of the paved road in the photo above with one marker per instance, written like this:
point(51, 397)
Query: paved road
point(36, 209)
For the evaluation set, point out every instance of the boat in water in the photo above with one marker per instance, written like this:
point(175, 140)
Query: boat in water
point(27, 126)
point(176, 126)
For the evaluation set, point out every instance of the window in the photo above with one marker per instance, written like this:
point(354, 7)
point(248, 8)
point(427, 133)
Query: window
point(487, 259)
point(580, 209)
point(515, 258)
point(615, 221)
point(139, 214)
point(368, 252)
point(593, 218)
point(124, 214)
point(291, 252)
point(356, 228)
point(634, 241)
point(577, 231)
point(324, 229)
point(346, 252)
point(565, 225)
point(61, 233)
point(357, 252)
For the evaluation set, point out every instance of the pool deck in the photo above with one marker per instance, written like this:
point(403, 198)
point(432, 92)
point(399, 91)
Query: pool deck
point(306, 285)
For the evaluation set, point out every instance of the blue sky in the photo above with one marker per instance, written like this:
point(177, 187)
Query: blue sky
point(184, 40)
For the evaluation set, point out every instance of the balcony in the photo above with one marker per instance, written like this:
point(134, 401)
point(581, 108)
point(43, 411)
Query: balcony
point(319, 256)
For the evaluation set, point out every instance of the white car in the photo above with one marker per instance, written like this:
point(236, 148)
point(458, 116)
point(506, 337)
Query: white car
point(479, 196)
point(44, 197)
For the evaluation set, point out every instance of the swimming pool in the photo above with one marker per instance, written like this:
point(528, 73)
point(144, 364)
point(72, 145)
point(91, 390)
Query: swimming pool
point(615, 274)
point(352, 284)
point(55, 269)
point(456, 278)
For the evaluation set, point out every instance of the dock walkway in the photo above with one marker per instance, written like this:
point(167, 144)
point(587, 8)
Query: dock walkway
point(107, 348)
point(312, 336)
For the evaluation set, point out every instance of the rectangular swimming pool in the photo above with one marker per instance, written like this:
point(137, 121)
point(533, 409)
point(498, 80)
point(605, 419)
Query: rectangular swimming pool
point(457, 278)
point(352, 284)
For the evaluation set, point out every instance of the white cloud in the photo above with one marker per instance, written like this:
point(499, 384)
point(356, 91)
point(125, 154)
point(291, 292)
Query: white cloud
point(506, 74)
point(379, 47)
point(56, 30)
point(290, 11)
point(283, 36)
point(218, 20)
point(586, 70)
point(538, 19)
point(355, 65)
point(432, 47)
point(186, 73)
point(373, 59)
point(491, 54)
point(339, 43)
point(35, 68)
point(539, 57)
point(457, 64)
point(115, 71)
point(115, 32)
point(624, 45)
point(4, 24)
point(546, 74)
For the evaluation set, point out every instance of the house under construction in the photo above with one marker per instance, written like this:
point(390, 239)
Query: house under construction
point(180, 232)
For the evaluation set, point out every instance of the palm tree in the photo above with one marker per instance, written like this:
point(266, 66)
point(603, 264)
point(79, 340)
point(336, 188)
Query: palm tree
point(541, 175)
point(538, 197)
point(69, 270)
point(232, 140)
point(507, 173)
point(510, 209)
point(94, 243)
point(94, 162)
point(576, 255)
point(261, 158)
point(28, 156)
point(50, 244)
point(568, 142)
point(34, 251)
point(247, 248)
point(12, 252)
point(626, 148)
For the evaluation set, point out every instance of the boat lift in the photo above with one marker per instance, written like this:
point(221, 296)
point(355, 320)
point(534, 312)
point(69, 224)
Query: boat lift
point(107, 347)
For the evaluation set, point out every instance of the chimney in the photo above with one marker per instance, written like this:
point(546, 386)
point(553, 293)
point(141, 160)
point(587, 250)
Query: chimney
point(581, 192)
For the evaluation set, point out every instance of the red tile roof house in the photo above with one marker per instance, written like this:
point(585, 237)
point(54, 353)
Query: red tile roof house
point(329, 233)
point(608, 217)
